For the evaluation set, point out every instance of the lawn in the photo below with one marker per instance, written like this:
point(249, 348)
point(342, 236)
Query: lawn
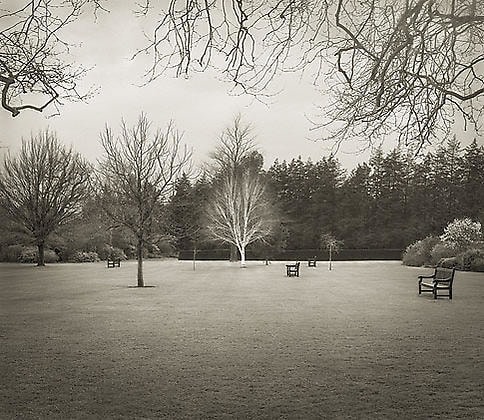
point(79, 341)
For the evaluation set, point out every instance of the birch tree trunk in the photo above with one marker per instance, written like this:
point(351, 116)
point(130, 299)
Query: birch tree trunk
point(242, 256)
point(238, 212)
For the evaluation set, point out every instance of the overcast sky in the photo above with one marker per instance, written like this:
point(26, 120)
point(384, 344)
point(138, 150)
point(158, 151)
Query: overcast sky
point(201, 106)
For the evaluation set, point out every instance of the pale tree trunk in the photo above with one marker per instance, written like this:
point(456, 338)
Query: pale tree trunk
point(41, 257)
point(140, 263)
point(242, 256)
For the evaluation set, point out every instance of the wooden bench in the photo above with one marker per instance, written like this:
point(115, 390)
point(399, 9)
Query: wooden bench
point(114, 263)
point(292, 269)
point(312, 262)
point(442, 279)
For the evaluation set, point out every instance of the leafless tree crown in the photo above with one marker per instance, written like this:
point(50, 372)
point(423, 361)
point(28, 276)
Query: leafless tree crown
point(235, 146)
point(405, 67)
point(238, 211)
point(43, 186)
point(142, 166)
point(34, 67)
point(137, 174)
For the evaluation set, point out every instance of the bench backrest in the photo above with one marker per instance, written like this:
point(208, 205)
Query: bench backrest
point(442, 273)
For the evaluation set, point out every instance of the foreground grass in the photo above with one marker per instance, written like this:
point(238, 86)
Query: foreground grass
point(356, 342)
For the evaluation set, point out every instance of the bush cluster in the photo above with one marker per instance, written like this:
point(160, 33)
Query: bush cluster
point(112, 253)
point(11, 253)
point(27, 254)
point(420, 252)
point(83, 256)
point(460, 246)
point(471, 259)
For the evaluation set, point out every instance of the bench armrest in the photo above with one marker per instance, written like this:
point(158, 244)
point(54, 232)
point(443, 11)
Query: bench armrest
point(426, 277)
point(443, 280)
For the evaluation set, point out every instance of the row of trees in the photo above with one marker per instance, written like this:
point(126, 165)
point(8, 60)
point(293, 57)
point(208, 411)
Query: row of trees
point(131, 189)
point(141, 197)
point(388, 202)
point(48, 185)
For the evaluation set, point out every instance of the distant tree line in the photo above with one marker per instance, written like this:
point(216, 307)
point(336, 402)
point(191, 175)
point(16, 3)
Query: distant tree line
point(388, 202)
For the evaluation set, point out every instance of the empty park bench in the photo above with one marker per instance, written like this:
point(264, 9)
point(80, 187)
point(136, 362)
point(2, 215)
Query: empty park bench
point(442, 279)
point(312, 262)
point(114, 262)
point(292, 269)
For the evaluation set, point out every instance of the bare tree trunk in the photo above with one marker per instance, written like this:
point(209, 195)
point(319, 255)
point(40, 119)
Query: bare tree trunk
point(41, 259)
point(242, 256)
point(140, 263)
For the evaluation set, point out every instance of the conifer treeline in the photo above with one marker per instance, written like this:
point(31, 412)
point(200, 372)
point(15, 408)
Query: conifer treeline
point(388, 202)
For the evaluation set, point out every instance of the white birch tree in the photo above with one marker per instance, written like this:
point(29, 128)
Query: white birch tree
point(239, 211)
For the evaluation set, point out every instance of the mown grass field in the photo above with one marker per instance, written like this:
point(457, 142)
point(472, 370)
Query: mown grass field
point(78, 341)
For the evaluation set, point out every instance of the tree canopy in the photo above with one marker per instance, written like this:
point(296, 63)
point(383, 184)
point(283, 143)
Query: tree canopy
point(137, 175)
point(391, 67)
point(405, 69)
point(43, 186)
point(35, 69)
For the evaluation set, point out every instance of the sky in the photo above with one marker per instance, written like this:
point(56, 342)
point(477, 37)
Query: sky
point(201, 107)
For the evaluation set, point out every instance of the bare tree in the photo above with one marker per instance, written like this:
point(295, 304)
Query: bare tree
point(403, 68)
point(137, 175)
point(332, 244)
point(239, 210)
point(34, 67)
point(43, 187)
point(236, 145)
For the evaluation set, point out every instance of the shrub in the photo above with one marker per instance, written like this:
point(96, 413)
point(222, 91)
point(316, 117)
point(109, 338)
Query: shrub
point(419, 253)
point(82, 257)
point(477, 264)
point(50, 256)
point(29, 255)
point(152, 251)
point(441, 250)
point(471, 258)
point(462, 233)
point(110, 252)
point(12, 253)
point(164, 248)
point(450, 262)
